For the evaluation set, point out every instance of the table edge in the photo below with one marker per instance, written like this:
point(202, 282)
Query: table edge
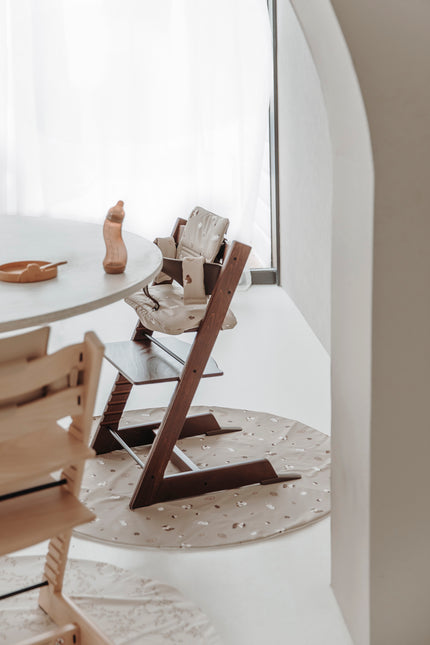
point(70, 312)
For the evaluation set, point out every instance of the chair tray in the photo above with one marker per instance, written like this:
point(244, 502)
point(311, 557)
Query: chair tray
point(142, 362)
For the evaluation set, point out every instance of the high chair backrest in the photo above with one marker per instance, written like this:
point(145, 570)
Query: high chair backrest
point(36, 391)
point(194, 244)
point(36, 388)
point(25, 347)
point(202, 235)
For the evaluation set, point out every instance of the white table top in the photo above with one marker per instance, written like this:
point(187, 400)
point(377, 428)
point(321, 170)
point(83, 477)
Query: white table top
point(82, 284)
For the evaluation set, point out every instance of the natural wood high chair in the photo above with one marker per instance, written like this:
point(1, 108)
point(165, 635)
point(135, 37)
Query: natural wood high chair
point(147, 359)
point(36, 390)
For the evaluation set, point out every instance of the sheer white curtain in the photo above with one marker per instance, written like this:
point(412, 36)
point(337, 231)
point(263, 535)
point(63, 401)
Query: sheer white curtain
point(161, 103)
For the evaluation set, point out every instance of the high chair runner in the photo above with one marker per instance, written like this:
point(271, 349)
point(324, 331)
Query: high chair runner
point(207, 271)
point(37, 390)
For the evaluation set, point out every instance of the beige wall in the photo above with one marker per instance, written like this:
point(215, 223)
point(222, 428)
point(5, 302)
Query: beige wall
point(352, 216)
point(380, 310)
point(389, 43)
point(305, 179)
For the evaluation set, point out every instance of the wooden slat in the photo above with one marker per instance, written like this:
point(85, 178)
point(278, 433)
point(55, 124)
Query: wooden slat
point(52, 563)
point(38, 453)
point(50, 574)
point(93, 357)
point(58, 543)
point(207, 480)
point(144, 362)
point(63, 610)
point(116, 407)
point(35, 517)
point(56, 558)
point(112, 417)
point(66, 635)
point(103, 440)
point(29, 345)
point(18, 378)
point(18, 420)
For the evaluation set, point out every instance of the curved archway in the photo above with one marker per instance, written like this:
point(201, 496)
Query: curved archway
point(380, 309)
point(351, 308)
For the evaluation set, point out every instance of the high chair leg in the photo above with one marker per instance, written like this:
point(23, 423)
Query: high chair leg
point(194, 425)
point(199, 482)
point(103, 440)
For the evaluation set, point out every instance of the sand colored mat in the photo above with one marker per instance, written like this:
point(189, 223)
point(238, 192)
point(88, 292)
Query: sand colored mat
point(131, 609)
point(221, 518)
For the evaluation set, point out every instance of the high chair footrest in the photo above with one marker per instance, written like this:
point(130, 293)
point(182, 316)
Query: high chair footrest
point(144, 361)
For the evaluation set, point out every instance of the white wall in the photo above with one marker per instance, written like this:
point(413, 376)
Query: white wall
point(389, 44)
point(304, 177)
point(380, 310)
point(350, 312)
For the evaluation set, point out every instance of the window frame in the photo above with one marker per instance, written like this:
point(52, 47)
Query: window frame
point(271, 275)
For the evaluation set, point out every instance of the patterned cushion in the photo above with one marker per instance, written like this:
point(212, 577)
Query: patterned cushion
point(203, 235)
point(193, 281)
point(173, 316)
point(167, 247)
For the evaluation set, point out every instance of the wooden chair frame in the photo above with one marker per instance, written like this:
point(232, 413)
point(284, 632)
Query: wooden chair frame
point(33, 505)
point(153, 485)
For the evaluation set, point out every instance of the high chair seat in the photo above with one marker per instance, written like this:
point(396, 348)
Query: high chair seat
point(173, 316)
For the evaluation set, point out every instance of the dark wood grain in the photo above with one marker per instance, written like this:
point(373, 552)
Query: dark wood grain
point(103, 441)
point(143, 434)
point(208, 480)
point(211, 271)
point(142, 362)
point(152, 476)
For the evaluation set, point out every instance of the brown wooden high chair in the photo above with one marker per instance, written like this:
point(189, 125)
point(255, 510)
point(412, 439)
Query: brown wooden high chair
point(37, 390)
point(207, 272)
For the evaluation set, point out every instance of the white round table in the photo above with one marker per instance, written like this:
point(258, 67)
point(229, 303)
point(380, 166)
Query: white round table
point(81, 285)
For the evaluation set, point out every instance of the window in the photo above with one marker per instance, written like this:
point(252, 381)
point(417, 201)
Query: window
point(161, 104)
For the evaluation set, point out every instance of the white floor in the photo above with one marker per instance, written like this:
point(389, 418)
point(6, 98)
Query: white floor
point(276, 591)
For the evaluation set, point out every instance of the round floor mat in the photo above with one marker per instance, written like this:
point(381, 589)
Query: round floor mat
point(221, 518)
point(129, 609)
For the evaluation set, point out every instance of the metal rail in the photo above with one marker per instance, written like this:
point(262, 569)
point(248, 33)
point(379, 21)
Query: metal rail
point(24, 589)
point(34, 489)
point(166, 349)
point(126, 447)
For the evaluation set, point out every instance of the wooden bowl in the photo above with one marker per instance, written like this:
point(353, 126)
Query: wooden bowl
point(28, 271)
